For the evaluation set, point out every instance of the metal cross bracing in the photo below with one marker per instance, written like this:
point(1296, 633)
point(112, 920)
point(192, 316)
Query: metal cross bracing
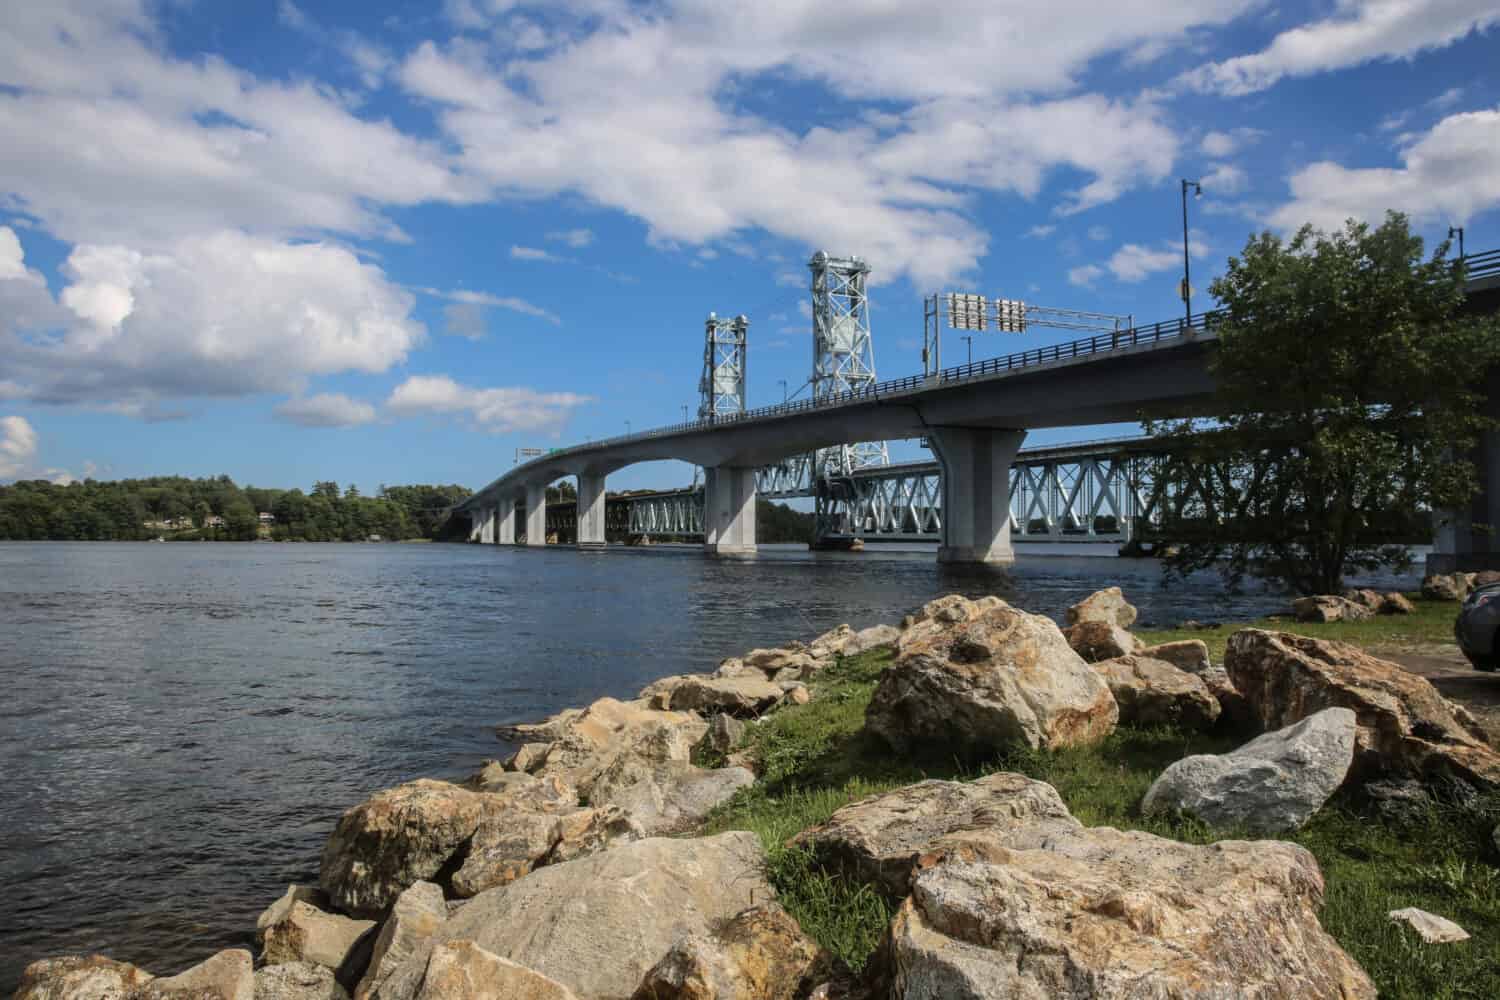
point(722, 387)
point(679, 512)
point(843, 353)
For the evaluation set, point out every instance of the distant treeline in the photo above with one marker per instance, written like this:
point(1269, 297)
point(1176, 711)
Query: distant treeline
point(216, 509)
point(775, 522)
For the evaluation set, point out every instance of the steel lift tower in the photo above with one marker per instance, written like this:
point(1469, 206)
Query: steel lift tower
point(722, 387)
point(843, 362)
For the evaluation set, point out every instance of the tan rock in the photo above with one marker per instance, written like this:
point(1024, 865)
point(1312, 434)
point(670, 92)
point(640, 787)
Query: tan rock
point(1429, 926)
point(298, 981)
point(510, 843)
point(1108, 605)
point(1153, 692)
point(229, 975)
point(668, 797)
point(307, 934)
point(546, 731)
point(462, 970)
point(739, 696)
point(1100, 640)
point(415, 917)
point(609, 728)
point(881, 838)
point(1364, 597)
point(797, 694)
point(493, 776)
point(761, 954)
point(1395, 603)
point(725, 732)
point(977, 676)
point(279, 910)
point(528, 757)
point(78, 977)
point(587, 831)
point(1404, 725)
point(1450, 587)
point(1184, 654)
point(952, 609)
point(1329, 608)
point(596, 925)
point(1103, 913)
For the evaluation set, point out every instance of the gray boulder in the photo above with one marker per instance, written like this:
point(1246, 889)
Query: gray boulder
point(298, 981)
point(418, 913)
point(462, 970)
point(1107, 605)
point(725, 732)
point(1274, 783)
point(1330, 608)
point(668, 797)
point(304, 933)
point(229, 975)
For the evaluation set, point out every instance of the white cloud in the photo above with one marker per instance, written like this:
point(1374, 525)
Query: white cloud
point(1084, 276)
point(498, 410)
point(1447, 99)
point(1040, 232)
point(535, 253)
point(1133, 262)
point(1221, 144)
point(1450, 173)
point(17, 446)
point(575, 238)
point(1098, 232)
point(1360, 32)
point(510, 302)
point(326, 409)
point(465, 319)
point(1225, 178)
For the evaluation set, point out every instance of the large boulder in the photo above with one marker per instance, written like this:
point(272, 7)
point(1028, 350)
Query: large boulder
point(668, 797)
point(1153, 692)
point(977, 676)
point(725, 732)
point(880, 839)
point(1184, 654)
point(511, 843)
point(1445, 587)
point(298, 981)
point(1271, 784)
point(1103, 913)
point(746, 696)
point(1330, 608)
point(229, 975)
point(1108, 605)
point(305, 933)
point(592, 740)
point(462, 970)
point(596, 925)
point(761, 954)
point(1100, 640)
point(1405, 727)
point(415, 917)
point(79, 977)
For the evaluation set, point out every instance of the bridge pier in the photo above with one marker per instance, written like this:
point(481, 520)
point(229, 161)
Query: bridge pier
point(505, 521)
point(976, 492)
point(591, 512)
point(729, 510)
point(477, 522)
point(536, 515)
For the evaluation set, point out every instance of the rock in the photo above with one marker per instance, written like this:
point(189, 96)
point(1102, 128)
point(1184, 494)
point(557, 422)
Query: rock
point(229, 975)
point(668, 797)
point(1365, 598)
point(1404, 726)
point(298, 981)
point(1398, 802)
point(875, 637)
point(953, 609)
point(1108, 605)
point(791, 662)
point(880, 839)
point(528, 758)
point(494, 777)
point(979, 676)
point(1099, 640)
point(797, 694)
point(307, 934)
point(607, 729)
point(278, 911)
point(1184, 654)
point(462, 970)
point(1429, 926)
point(1328, 608)
point(397, 837)
point(1395, 603)
point(1274, 783)
point(1104, 913)
point(1441, 587)
point(415, 917)
point(1153, 692)
point(77, 977)
point(549, 729)
point(738, 696)
point(596, 925)
point(725, 732)
point(1483, 578)
point(761, 954)
point(511, 843)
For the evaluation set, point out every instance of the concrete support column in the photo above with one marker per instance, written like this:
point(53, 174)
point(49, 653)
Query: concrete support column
point(591, 511)
point(1457, 545)
point(477, 520)
point(505, 522)
point(536, 515)
point(487, 526)
point(729, 510)
point(976, 492)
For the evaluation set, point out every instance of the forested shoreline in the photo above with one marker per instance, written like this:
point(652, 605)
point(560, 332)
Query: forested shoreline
point(217, 509)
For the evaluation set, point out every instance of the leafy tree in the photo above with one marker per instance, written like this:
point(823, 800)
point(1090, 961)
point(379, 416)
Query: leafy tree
point(1350, 396)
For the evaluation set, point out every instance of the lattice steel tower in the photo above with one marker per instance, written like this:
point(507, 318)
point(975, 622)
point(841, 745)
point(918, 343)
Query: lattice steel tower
point(843, 353)
point(722, 387)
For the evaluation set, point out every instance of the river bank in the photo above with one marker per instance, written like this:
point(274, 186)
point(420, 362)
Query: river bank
point(806, 749)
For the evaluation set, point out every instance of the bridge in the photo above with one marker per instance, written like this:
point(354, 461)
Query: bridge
point(974, 417)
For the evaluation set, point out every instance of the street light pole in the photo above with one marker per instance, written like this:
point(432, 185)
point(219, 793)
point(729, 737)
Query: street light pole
point(684, 413)
point(1187, 287)
point(782, 382)
point(627, 427)
point(1459, 232)
point(969, 344)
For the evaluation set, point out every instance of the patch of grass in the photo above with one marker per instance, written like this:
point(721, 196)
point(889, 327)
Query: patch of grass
point(817, 757)
point(1431, 625)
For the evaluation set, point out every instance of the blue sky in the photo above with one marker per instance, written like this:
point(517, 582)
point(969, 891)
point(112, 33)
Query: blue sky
point(394, 242)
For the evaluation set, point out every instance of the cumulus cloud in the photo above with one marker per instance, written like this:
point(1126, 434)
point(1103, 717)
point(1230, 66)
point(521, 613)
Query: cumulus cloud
point(326, 409)
point(1085, 275)
point(1360, 31)
point(497, 410)
point(1221, 144)
point(575, 238)
point(1225, 178)
point(17, 446)
point(535, 253)
point(1451, 172)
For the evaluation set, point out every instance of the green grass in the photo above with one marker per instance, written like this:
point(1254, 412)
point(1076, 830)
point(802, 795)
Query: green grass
point(1431, 625)
point(816, 758)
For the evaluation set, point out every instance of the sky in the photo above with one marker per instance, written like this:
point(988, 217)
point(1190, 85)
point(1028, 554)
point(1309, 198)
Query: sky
point(394, 242)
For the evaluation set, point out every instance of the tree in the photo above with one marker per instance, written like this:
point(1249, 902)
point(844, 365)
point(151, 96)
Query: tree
point(1349, 397)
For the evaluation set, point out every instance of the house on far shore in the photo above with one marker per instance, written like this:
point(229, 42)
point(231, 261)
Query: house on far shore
point(213, 521)
point(266, 517)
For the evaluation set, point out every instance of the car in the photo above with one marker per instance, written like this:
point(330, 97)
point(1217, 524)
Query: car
point(1478, 627)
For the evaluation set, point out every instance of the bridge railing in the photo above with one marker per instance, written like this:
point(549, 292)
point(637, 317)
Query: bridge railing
point(1482, 265)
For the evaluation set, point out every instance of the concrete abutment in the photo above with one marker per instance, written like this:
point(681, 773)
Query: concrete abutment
point(976, 464)
point(729, 510)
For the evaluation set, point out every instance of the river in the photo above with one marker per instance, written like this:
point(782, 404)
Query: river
point(184, 723)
